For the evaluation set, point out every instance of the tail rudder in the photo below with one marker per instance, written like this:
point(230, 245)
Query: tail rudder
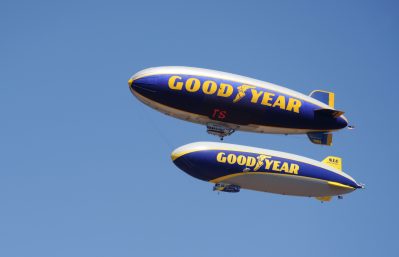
point(329, 99)
point(320, 138)
point(333, 161)
point(336, 163)
point(324, 97)
point(324, 198)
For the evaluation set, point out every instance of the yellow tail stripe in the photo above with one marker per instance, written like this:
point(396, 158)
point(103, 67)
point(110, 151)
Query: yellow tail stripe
point(331, 99)
point(324, 198)
point(339, 185)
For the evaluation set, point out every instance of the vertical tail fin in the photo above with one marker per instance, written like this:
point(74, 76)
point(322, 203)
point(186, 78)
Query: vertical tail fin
point(324, 198)
point(333, 161)
point(320, 138)
point(324, 96)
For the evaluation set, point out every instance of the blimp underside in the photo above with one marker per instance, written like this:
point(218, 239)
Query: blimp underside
point(285, 185)
point(202, 119)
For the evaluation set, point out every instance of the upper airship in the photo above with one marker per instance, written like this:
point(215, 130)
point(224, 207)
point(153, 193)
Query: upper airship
point(226, 102)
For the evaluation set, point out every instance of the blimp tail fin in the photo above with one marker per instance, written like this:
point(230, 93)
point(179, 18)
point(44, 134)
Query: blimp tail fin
point(333, 161)
point(330, 113)
point(324, 96)
point(324, 198)
point(320, 138)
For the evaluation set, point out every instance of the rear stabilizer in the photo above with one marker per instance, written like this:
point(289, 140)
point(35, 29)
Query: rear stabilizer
point(324, 198)
point(324, 97)
point(329, 99)
point(329, 113)
point(320, 138)
point(333, 161)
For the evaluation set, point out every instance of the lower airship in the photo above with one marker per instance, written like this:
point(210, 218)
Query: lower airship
point(232, 167)
point(226, 102)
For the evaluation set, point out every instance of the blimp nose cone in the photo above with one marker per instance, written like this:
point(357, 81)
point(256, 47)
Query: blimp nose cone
point(150, 84)
point(174, 155)
point(192, 163)
point(144, 86)
point(130, 82)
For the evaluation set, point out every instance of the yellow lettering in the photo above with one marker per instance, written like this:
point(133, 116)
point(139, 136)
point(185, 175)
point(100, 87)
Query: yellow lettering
point(268, 164)
point(276, 166)
point(255, 95)
point(267, 97)
point(294, 105)
point(294, 168)
point(193, 87)
point(280, 102)
point(241, 160)
point(251, 161)
point(221, 157)
point(284, 167)
point(231, 158)
point(225, 90)
point(173, 85)
point(209, 87)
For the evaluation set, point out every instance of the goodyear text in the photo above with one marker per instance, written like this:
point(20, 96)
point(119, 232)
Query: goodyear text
point(210, 87)
point(259, 163)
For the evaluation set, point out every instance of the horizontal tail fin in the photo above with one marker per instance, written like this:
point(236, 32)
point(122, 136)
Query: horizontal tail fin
point(324, 97)
point(324, 198)
point(320, 138)
point(333, 161)
point(330, 113)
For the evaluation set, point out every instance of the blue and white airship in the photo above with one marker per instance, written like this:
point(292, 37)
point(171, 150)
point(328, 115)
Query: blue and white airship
point(232, 167)
point(226, 102)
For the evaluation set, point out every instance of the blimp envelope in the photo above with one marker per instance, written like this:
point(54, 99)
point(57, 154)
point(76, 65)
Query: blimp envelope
point(264, 170)
point(226, 102)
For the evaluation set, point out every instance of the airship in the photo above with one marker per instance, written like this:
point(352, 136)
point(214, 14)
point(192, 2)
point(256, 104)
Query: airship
point(227, 102)
point(233, 167)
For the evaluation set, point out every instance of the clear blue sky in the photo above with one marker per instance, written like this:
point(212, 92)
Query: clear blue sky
point(85, 168)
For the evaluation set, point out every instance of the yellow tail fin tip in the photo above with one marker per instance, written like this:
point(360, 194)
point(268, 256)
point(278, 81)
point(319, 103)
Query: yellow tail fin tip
point(333, 161)
point(324, 198)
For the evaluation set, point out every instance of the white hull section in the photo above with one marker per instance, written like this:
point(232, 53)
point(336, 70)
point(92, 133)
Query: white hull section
point(285, 185)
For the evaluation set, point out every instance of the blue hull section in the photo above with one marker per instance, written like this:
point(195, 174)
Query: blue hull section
point(209, 165)
point(233, 102)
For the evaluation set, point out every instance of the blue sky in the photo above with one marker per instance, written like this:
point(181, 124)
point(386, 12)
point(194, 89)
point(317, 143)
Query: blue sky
point(85, 168)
